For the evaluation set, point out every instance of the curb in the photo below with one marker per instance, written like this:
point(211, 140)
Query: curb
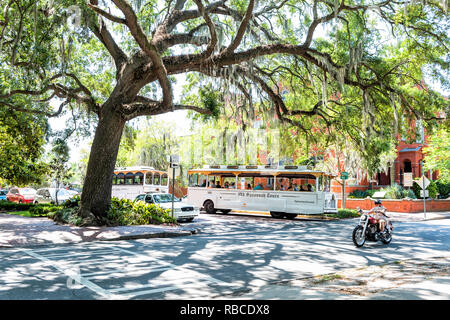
point(151, 235)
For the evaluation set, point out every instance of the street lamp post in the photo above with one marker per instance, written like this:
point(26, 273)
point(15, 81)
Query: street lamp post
point(344, 176)
point(174, 161)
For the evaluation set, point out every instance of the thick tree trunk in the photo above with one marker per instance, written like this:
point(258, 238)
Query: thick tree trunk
point(96, 195)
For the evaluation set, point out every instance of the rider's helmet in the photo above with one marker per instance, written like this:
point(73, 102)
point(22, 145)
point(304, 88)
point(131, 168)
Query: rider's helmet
point(378, 201)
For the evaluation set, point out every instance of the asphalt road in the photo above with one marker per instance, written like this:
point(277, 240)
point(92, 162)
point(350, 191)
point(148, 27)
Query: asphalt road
point(232, 255)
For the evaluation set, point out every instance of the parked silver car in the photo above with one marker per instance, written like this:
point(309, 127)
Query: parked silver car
point(48, 195)
point(182, 211)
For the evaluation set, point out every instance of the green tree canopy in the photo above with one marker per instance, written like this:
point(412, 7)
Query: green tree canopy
point(22, 139)
point(352, 66)
point(437, 153)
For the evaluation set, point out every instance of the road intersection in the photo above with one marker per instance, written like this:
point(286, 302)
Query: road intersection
point(231, 257)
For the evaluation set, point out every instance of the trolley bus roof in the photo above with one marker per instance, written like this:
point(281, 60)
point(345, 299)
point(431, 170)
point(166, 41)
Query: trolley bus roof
point(260, 170)
point(136, 170)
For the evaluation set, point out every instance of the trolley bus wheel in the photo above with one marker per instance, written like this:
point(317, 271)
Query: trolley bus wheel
point(209, 207)
point(276, 215)
point(290, 216)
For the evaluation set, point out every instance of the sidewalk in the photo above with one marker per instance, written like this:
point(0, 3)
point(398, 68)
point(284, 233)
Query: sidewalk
point(420, 216)
point(18, 231)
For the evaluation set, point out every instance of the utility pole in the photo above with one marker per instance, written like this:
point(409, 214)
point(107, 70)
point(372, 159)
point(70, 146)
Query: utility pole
point(344, 176)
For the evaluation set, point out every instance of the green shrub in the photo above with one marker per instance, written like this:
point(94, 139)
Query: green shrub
point(443, 189)
point(121, 212)
point(13, 206)
point(72, 202)
point(416, 189)
point(66, 215)
point(393, 192)
point(370, 193)
point(127, 212)
point(432, 190)
point(42, 210)
point(344, 213)
point(409, 193)
point(347, 213)
point(360, 194)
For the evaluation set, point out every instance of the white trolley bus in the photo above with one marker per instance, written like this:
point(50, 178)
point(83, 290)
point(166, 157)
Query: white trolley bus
point(130, 182)
point(284, 191)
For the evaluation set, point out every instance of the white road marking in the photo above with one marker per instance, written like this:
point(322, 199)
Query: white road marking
point(78, 254)
point(140, 293)
point(93, 275)
point(74, 276)
point(71, 268)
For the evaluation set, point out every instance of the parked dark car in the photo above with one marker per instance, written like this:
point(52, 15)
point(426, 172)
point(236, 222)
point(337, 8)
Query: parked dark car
point(21, 195)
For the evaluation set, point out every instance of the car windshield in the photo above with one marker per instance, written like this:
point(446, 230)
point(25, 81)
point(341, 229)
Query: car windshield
point(62, 192)
point(163, 198)
point(27, 191)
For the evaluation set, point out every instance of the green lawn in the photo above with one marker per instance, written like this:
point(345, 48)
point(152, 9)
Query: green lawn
point(21, 213)
point(25, 213)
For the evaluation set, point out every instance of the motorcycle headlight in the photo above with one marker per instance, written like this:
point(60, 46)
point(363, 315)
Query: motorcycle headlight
point(363, 218)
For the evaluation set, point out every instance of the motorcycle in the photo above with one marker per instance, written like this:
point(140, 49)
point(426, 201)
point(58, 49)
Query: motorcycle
point(368, 229)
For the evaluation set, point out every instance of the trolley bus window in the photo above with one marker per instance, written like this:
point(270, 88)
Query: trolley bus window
point(129, 178)
point(148, 178)
point(197, 180)
point(156, 179)
point(120, 178)
point(213, 181)
point(193, 180)
point(139, 178)
point(202, 180)
point(164, 179)
point(114, 179)
point(326, 181)
point(320, 183)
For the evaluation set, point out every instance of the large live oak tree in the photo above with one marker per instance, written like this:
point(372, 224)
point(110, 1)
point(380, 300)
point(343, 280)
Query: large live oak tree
point(343, 73)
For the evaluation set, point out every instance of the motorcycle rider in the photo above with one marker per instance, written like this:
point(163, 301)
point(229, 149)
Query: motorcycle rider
point(379, 211)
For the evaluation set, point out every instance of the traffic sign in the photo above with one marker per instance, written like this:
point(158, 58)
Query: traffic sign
point(423, 182)
point(344, 175)
point(170, 173)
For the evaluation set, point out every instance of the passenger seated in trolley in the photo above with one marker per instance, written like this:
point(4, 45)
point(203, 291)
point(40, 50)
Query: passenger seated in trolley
point(226, 185)
point(259, 187)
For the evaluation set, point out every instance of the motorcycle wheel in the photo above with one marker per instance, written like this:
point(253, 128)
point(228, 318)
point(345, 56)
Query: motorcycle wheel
point(358, 237)
point(387, 238)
